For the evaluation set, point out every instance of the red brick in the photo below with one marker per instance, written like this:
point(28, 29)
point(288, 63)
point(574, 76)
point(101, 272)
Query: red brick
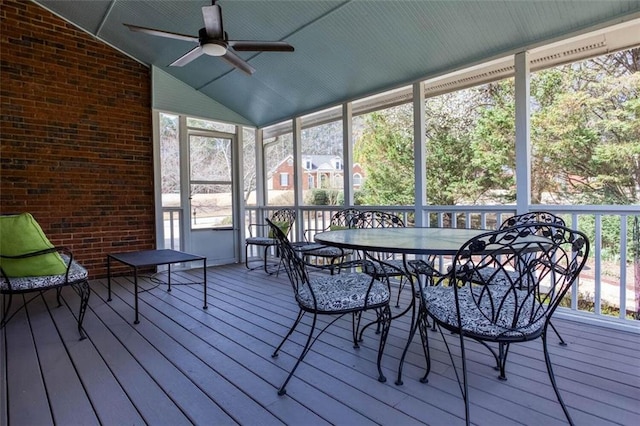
point(76, 137)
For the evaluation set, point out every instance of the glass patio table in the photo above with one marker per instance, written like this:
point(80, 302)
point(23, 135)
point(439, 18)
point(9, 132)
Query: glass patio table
point(417, 241)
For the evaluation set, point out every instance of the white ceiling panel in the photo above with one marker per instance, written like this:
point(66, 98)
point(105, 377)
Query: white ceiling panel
point(344, 49)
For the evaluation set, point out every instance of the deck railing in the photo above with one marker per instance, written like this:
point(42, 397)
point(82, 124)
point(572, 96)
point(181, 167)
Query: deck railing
point(608, 289)
point(172, 220)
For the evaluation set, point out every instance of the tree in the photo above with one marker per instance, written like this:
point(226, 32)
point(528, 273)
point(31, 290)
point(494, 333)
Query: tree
point(169, 154)
point(585, 137)
point(448, 148)
point(385, 151)
point(586, 131)
point(249, 163)
point(493, 139)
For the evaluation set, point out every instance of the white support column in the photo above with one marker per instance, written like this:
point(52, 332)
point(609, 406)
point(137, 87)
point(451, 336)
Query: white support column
point(157, 176)
point(297, 174)
point(419, 149)
point(261, 178)
point(523, 142)
point(238, 191)
point(347, 152)
point(185, 191)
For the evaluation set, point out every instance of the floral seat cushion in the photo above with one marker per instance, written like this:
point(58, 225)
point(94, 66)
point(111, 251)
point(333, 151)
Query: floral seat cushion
point(261, 241)
point(76, 273)
point(494, 276)
point(326, 251)
point(337, 293)
point(480, 314)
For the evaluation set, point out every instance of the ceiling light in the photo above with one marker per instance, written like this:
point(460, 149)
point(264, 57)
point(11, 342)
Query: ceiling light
point(214, 49)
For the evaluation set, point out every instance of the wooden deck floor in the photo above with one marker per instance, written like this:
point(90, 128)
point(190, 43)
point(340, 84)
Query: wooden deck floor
point(186, 365)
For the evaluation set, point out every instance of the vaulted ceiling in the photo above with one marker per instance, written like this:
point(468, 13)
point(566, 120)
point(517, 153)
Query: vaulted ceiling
point(344, 49)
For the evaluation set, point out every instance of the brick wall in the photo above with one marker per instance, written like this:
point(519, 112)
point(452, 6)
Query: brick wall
point(76, 136)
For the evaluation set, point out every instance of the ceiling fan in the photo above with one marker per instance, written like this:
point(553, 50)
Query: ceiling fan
point(213, 41)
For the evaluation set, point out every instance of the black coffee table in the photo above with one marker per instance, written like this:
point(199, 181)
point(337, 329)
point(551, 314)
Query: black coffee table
point(146, 258)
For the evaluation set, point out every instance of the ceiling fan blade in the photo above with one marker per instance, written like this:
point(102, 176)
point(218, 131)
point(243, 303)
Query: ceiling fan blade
point(260, 46)
point(213, 21)
point(238, 62)
point(194, 53)
point(161, 33)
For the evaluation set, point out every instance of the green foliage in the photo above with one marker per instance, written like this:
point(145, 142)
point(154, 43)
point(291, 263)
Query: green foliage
point(448, 182)
point(585, 130)
point(317, 197)
point(585, 140)
point(452, 176)
point(325, 197)
point(358, 196)
point(385, 151)
point(585, 133)
point(493, 146)
point(610, 236)
point(169, 154)
point(587, 303)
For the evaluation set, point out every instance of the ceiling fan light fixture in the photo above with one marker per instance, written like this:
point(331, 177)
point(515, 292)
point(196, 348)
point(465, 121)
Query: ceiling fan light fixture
point(212, 41)
point(214, 49)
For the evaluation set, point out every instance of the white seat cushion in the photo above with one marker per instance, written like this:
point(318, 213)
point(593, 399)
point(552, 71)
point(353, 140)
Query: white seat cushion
point(342, 292)
point(76, 273)
point(327, 251)
point(481, 314)
point(261, 241)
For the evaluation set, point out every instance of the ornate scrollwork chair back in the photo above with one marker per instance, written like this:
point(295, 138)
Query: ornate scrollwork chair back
point(532, 217)
point(531, 271)
point(342, 219)
point(378, 219)
point(387, 266)
point(284, 219)
point(540, 219)
point(338, 295)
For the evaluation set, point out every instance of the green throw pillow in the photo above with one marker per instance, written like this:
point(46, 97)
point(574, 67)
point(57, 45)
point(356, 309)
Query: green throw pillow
point(283, 226)
point(337, 228)
point(21, 234)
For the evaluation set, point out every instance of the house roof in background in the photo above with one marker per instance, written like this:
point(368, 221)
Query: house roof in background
point(344, 49)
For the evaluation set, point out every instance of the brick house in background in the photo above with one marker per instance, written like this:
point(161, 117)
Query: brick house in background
point(319, 171)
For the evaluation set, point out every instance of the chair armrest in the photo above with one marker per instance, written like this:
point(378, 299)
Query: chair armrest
point(254, 227)
point(66, 255)
point(365, 265)
point(61, 249)
point(310, 232)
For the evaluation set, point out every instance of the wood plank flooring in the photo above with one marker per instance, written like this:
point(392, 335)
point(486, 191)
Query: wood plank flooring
point(185, 365)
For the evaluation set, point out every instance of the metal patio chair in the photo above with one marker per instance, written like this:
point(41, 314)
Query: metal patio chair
point(337, 295)
point(425, 268)
point(542, 218)
point(30, 264)
point(284, 219)
point(342, 219)
point(532, 270)
point(387, 266)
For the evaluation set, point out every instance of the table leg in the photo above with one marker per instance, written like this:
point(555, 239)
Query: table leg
point(109, 278)
point(412, 332)
point(204, 270)
point(135, 290)
point(169, 277)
